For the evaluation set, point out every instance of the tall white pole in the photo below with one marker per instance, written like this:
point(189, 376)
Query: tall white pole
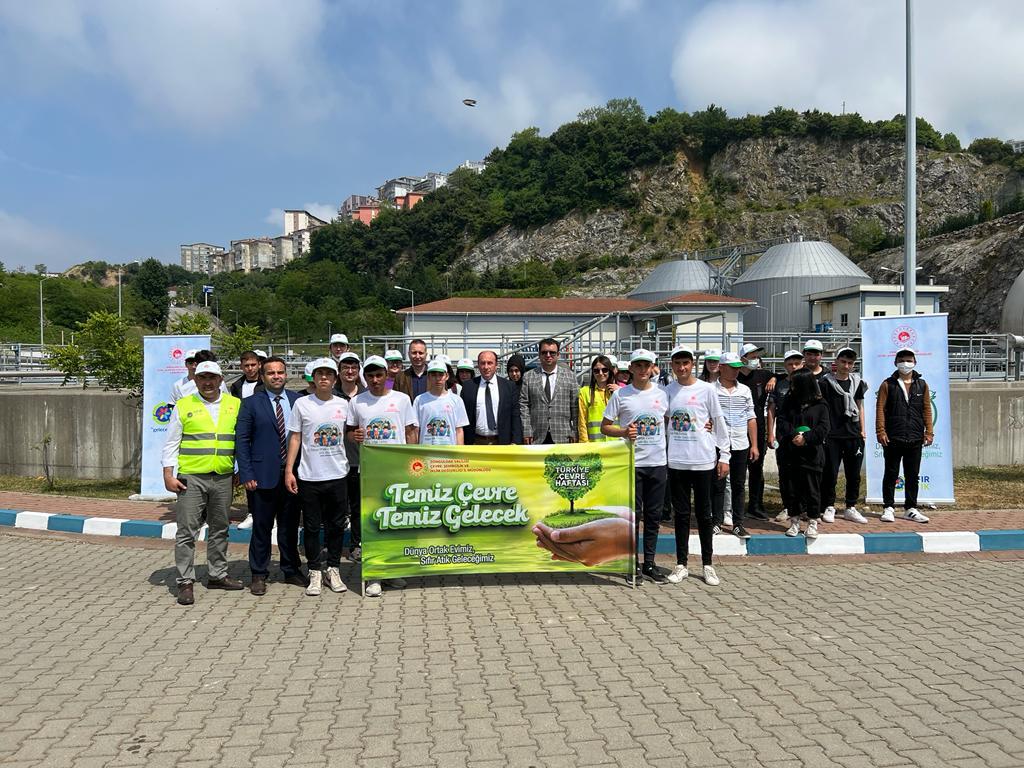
point(118, 291)
point(910, 201)
point(41, 342)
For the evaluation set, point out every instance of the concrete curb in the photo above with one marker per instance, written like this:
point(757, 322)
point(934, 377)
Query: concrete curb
point(726, 545)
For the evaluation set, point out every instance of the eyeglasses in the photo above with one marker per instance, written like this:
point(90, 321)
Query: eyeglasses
point(547, 352)
point(599, 370)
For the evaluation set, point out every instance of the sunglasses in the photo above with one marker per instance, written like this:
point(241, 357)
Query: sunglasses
point(599, 370)
point(549, 352)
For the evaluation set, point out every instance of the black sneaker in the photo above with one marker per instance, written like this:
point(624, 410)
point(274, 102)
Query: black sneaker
point(654, 573)
point(740, 532)
point(757, 514)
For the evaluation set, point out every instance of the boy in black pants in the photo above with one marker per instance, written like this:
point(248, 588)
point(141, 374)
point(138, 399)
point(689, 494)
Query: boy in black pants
point(844, 393)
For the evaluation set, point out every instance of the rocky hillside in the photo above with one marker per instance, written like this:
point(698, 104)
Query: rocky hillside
point(978, 264)
point(759, 188)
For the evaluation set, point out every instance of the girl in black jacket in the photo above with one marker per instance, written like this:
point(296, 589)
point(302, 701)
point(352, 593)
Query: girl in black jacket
point(803, 426)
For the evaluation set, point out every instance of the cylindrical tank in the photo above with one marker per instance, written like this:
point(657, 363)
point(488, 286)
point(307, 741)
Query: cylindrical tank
point(800, 268)
point(673, 278)
point(1013, 308)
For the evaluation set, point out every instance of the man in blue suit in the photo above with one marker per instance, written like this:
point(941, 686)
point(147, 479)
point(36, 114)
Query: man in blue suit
point(260, 449)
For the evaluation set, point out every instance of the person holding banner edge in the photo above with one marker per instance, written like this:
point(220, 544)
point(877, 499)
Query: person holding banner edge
point(903, 426)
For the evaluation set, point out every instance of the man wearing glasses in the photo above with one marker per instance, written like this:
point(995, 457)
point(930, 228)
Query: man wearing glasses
point(548, 399)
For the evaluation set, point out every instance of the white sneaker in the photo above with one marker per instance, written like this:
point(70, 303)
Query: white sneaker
point(396, 583)
point(315, 580)
point(829, 515)
point(854, 516)
point(711, 577)
point(728, 518)
point(812, 529)
point(782, 517)
point(679, 573)
point(372, 589)
point(716, 530)
point(914, 516)
point(245, 524)
point(888, 515)
point(794, 528)
point(334, 580)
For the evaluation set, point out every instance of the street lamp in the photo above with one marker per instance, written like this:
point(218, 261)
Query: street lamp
point(118, 290)
point(771, 315)
point(900, 273)
point(41, 279)
point(236, 318)
point(329, 326)
point(288, 337)
point(412, 312)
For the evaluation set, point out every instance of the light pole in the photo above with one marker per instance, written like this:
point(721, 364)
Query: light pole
point(41, 319)
point(329, 326)
point(910, 196)
point(118, 290)
point(288, 337)
point(771, 315)
point(412, 312)
point(902, 295)
point(236, 318)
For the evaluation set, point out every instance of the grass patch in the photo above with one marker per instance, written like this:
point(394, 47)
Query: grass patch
point(98, 489)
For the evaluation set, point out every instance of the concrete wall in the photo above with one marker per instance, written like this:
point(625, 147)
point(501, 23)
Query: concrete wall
point(95, 434)
point(988, 423)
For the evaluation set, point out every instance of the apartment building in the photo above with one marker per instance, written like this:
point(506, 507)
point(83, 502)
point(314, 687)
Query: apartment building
point(201, 257)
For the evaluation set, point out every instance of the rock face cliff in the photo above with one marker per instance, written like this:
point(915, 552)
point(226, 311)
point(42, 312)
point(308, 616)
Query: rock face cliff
point(762, 188)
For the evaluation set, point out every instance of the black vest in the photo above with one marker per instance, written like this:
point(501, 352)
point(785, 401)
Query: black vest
point(904, 421)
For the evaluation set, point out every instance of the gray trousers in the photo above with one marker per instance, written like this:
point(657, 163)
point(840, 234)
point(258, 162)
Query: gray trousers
point(210, 493)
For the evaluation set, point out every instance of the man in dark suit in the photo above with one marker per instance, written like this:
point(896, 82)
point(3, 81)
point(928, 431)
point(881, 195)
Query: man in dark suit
point(549, 399)
point(249, 382)
point(260, 448)
point(492, 405)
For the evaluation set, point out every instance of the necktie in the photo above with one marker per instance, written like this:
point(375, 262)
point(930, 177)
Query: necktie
point(492, 425)
point(547, 387)
point(279, 412)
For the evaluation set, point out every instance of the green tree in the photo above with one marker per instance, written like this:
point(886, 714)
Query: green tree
point(150, 287)
point(231, 345)
point(951, 143)
point(991, 150)
point(190, 324)
point(867, 235)
point(572, 477)
point(41, 269)
point(104, 350)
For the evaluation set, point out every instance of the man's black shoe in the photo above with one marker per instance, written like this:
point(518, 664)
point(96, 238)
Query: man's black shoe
point(740, 532)
point(654, 573)
point(757, 514)
point(296, 579)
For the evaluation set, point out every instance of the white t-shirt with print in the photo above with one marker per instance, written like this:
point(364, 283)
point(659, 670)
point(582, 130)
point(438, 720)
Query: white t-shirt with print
point(645, 408)
point(439, 416)
point(383, 419)
point(322, 426)
point(690, 445)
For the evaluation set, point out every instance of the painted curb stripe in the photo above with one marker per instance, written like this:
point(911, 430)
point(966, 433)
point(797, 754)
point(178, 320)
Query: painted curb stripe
point(725, 545)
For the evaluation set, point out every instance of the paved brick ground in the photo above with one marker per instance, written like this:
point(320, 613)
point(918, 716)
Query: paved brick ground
point(953, 520)
point(911, 663)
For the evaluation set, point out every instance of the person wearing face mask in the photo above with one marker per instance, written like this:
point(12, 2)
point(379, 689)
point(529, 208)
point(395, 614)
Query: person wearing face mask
point(903, 426)
point(760, 382)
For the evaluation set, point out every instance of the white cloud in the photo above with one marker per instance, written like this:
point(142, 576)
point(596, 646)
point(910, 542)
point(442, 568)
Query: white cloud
point(751, 55)
point(24, 243)
point(533, 89)
point(199, 64)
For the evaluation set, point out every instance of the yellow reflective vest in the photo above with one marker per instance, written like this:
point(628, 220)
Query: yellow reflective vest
point(207, 447)
point(591, 413)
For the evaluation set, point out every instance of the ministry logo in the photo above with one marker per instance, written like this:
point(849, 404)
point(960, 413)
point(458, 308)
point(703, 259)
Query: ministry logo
point(904, 336)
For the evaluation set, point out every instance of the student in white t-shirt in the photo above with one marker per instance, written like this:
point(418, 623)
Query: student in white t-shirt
point(440, 413)
point(696, 458)
point(738, 408)
point(317, 428)
point(637, 413)
point(381, 416)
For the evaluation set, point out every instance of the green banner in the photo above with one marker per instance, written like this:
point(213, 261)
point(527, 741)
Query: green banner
point(434, 510)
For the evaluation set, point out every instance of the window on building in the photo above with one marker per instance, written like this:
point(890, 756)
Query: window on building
point(844, 320)
point(878, 313)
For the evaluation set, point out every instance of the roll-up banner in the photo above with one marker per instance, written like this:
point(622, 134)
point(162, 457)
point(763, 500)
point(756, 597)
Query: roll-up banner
point(928, 336)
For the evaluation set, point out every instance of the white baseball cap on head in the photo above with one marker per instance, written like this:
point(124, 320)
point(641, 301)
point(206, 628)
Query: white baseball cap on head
point(713, 354)
point(791, 353)
point(260, 354)
point(324, 362)
point(731, 359)
point(307, 372)
point(444, 359)
point(208, 366)
point(903, 350)
point(375, 361)
point(350, 355)
point(191, 354)
point(393, 354)
point(643, 355)
point(339, 338)
point(465, 364)
point(682, 350)
point(437, 365)
point(747, 348)
point(813, 345)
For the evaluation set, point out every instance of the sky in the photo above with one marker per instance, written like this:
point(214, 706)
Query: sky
point(131, 128)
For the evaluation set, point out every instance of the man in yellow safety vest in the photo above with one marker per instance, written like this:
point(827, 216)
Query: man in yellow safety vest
point(201, 441)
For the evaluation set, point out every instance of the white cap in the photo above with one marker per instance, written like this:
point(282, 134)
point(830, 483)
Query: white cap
point(465, 364)
point(643, 355)
point(392, 354)
point(191, 354)
point(682, 349)
point(339, 338)
point(901, 350)
point(208, 367)
point(731, 359)
point(746, 349)
point(613, 360)
point(307, 372)
point(851, 350)
point(323, 362)
point(260, 354)
point(437, 365)
point(375, 361)
point(813, 345)
point(444, 359)
point(713, 354)
point(350, 355)
point(792, 353)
